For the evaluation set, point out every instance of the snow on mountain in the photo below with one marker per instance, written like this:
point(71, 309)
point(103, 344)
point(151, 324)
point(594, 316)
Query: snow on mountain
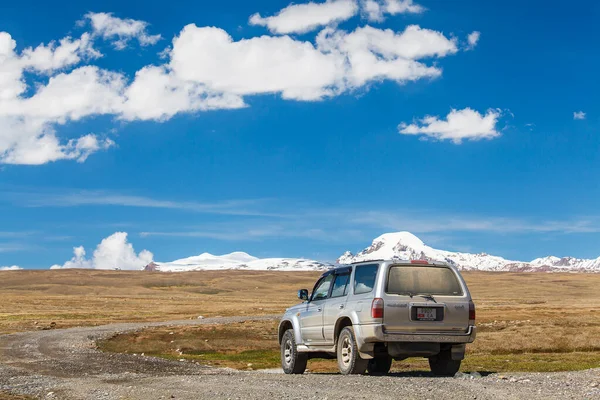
point(239, 260)
point(550, 260)
point(396, 245)
point(406, 246)
point(209, 260)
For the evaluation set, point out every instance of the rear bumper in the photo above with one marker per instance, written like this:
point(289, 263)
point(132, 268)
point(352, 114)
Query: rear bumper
point(368, 334)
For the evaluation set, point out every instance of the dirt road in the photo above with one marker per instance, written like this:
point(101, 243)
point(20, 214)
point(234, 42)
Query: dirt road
point(64, 364)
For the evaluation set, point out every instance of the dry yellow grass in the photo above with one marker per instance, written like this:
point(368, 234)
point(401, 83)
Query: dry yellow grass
point(526, 321)
point(35, 299)
point(536, 312)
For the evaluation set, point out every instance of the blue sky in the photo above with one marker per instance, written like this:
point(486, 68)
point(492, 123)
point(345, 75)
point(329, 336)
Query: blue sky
point(294, 163)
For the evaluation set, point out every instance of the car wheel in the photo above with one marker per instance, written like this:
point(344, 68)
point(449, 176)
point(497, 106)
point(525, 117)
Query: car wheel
point(292, 362)
point(443, 364)
point(348, 359)
point(379, 365)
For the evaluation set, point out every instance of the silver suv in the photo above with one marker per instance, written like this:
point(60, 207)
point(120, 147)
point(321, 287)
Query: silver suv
point(368, 314)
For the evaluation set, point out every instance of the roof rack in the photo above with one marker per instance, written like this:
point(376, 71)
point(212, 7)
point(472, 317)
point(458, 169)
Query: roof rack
point(399, 260)
point(360, 262)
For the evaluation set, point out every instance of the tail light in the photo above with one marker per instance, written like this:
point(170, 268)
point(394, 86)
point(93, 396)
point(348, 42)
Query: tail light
point(471, 313)
point(377, 308)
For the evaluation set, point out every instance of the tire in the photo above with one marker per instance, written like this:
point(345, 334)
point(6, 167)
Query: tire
point(348, 359)
point(443, 364)
point(379, 365)
point(292, 362)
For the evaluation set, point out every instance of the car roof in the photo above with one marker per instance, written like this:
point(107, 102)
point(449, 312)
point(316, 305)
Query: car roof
point(346, 268)
point(393, 261)
point(402, 261)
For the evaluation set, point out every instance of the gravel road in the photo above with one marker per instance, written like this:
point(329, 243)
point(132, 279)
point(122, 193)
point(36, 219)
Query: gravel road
point(64, 364)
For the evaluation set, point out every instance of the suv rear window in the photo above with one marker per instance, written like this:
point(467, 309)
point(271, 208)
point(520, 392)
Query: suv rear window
point(411, 280)
point(364, 278)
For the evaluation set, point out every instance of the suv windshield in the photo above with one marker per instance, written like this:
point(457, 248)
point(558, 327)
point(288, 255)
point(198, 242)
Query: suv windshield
point(322, 289)
point(413, 280)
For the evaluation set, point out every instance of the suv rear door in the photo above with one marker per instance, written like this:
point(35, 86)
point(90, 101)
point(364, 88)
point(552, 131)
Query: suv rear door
point(424, 298)
point(362, 291)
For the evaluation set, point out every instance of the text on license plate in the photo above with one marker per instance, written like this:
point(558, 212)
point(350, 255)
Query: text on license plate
point(426, 314)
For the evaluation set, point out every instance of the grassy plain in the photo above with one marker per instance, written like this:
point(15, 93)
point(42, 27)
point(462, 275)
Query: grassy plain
point(526, 321)
point(36, 299)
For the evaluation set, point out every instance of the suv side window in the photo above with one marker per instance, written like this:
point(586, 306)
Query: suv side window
point(364, 278)
point(322, 288)
point(340, 286)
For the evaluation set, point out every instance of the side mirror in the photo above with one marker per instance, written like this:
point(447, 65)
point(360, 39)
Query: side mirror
point(303, 294)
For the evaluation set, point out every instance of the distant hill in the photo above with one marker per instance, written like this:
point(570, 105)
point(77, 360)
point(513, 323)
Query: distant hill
point(238, 260)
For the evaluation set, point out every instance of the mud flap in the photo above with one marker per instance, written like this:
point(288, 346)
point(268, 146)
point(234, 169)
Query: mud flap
point(458, 351)
point(367, 351)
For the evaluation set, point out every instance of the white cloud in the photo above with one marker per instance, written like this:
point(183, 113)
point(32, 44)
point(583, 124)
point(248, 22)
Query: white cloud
point(578, 115)
point(11, 268)
point(82, 92)
point(459, 125)
point(78, 260)
point(266, 64)
point(158, 94)
point(81, 148)
point(473, 39)
point(376, 54)
point(44, 58)
point(413, 43)
point(120, 31)
point(375, 10)
point(206, 69)
point(27, 125)
point(114, 252)
point(24, 142)
point(394, 7)
point(51, 57)
point(301, 18)
point(211, 58)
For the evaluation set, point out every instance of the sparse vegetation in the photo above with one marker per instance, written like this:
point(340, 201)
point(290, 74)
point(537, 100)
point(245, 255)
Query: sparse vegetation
point(254, 345)
point(527, 322)
point(8, 396)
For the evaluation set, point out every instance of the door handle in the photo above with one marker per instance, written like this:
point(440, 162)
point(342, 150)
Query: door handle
point(319, 309)
point(341, 306)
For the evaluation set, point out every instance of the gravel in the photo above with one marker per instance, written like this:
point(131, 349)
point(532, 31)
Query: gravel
point(65, 364)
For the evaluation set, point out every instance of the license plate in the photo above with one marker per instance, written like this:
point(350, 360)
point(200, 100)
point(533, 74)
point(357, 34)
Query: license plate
point(426, 314)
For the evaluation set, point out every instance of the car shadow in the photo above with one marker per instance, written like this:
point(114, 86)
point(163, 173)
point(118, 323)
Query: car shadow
point(416, 374)
point(427, 374)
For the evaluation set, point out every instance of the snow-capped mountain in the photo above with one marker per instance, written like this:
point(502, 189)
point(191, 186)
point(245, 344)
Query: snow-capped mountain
point(406, 246)
point(397, 245)
point(238, 260)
